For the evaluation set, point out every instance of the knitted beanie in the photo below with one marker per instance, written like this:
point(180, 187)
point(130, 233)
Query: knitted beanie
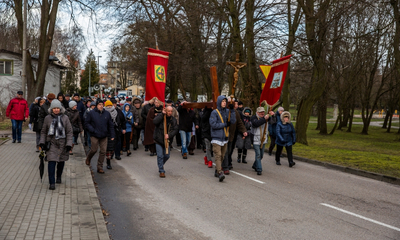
point(108, 103)
point(72, 104)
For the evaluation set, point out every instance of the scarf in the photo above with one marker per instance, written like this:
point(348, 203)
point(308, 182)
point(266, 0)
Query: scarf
point(57, 127)
point(113, 112)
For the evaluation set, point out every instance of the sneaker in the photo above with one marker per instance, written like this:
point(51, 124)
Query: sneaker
point(58, 180)
point(162, 175)
point(259, 173)
point(279, 163)
point(221, 176)
point(19, 141)
point(210, 164)
point(13, 141)
point(109, 167)
point(292, 164)
point(52, 187)
point(226, 172)
point(184, 156)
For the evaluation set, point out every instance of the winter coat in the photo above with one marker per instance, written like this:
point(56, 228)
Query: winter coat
point(172, 128)
point(272, 122)
point(135, 113)
point(140, 125)
point(34, 117)
point(43, 112)
point(99, 124)
point(64, 102)
point(145, 112)
point(205, 124)
point(57, 151)
point(186, 119)
point(75, 120)
point(218, 125)
point(17, 109)
point(246, 142)
point(81, 107)
point(285, 133)
point(257, 129)
point(236, 127)
point(149, 129)
point(129, 119)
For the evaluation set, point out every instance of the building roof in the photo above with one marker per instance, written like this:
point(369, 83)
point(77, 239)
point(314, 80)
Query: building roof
point(52, 59)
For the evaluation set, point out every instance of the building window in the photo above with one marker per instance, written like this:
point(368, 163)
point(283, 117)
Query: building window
point(112, 71)
point(129, 92)
point(6, 67)
point(130, 83)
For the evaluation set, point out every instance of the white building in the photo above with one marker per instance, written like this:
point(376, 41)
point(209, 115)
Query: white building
point(11, 75)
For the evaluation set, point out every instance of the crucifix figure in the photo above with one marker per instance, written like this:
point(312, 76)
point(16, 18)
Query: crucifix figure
point(236, 65)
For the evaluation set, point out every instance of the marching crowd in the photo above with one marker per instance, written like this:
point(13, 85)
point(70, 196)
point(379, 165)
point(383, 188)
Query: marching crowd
point(114, 124)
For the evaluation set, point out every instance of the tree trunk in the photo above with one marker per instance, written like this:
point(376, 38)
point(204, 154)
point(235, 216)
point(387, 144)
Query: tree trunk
point(338, 119)
point(385, 122)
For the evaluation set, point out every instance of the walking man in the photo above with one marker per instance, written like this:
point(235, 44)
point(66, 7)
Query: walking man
point(220, 133)
point(160, 137)
point(17, 111)
point(259, 128)
point(100, 125)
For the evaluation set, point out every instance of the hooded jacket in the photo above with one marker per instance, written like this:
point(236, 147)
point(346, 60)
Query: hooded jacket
point(99, 124)
point(285, 133)
point(17, 109)
point(205, 123)
point(218, 125)
point(240, 142)
point(75, 119)
point(128, 117)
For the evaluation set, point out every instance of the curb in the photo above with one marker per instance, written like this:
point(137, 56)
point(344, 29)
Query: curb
point(358, 172)
point(1, 143)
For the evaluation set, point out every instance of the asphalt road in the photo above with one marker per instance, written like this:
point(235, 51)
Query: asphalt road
point(303, 202)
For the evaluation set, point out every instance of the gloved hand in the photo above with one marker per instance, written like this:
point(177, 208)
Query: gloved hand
point(230, 106)
point(30, 126)
point(228, 123)
point(68, 148)
point(42, 146)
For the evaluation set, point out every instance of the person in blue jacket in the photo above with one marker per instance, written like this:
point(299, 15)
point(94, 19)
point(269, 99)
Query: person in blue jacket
point(285, 137)
point(274, 119)
point(219, 124)
point(129, 123)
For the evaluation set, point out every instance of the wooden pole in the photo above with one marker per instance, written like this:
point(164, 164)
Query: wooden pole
point(165, 132)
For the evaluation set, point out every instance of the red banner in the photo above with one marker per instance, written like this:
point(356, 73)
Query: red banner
point(275, 80)
point(156, 78)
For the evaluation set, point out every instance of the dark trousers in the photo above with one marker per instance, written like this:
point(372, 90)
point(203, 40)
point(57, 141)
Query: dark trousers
point(135, 139)
point(178, 140)
point(227, 162)
point(52, 170)
point(127, 140)
point(117, 147)
point(272, 145)
point(16, 129)
point(279, 151)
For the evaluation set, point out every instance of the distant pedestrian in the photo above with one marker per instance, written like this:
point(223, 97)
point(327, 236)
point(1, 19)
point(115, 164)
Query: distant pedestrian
point(57, 131)
point(137, 130)
point(100, 126)
point(187, 117)
point(92, 106)
point(259, 128)
point(111, 141)
point(18, 112)
point(81, 109)
point(244, 142)
point(285, 137)
point(146, 108)
point(129, 123)
point(120, 131)
point(273, 121)
point(160, 137)
point(34, 119)
point(149, 129)
point(75, 120)
point(220, 133)
point(61, 98)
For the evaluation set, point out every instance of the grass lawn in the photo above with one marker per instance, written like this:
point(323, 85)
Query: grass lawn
point(377, 152)
point(5, 125)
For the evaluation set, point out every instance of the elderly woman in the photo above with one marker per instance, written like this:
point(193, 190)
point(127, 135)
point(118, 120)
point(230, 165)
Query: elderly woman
point(57, 131)
point(285, 137)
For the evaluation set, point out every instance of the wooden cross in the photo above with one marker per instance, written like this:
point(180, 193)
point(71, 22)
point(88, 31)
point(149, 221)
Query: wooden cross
point(236, 65)
point(215, 93)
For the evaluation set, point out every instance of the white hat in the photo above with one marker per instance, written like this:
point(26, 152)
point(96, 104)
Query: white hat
point(260, 109)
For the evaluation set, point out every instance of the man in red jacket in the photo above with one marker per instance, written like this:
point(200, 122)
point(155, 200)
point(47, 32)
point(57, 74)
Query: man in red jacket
point(17, 111)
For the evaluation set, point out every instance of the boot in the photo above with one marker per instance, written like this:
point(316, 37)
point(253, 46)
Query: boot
point(109, 164)
point(239, 157)
point(210, 164)
point(70, 152)
point(205, 160)
point(244, 159)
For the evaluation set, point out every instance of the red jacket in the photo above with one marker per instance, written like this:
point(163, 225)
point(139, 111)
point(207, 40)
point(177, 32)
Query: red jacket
point(17, 109)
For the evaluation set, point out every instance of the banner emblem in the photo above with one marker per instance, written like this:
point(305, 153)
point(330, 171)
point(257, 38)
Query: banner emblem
point(277, 80)
point(159, 73)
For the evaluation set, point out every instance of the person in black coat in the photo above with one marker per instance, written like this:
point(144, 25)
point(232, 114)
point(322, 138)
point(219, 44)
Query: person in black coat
point(34, 119)
point(100, 126)
point(206, 134)
point(160, 137)
point(186, 119)
point(144, 113)
point(121, 122)
point(61, 98)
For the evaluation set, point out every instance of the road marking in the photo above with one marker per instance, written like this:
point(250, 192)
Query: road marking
point(253, 179)
point(362, 217)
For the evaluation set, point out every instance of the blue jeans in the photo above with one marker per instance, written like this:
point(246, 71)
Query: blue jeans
point(162, 157)
point(52, 170)
point(259, 155)
point(16, 129)
point(185, 140)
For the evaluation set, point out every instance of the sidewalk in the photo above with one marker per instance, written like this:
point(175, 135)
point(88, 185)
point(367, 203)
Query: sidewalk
point(29, 210)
